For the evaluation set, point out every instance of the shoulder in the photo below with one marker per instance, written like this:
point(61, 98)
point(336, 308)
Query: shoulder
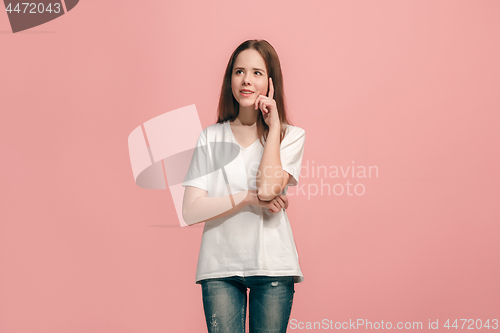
point(293, 132)
point(213, 129)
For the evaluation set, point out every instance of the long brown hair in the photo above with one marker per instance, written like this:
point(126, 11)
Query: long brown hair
point(228, 108)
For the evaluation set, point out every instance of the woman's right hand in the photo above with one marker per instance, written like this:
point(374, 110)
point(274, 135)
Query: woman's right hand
point(274, 206)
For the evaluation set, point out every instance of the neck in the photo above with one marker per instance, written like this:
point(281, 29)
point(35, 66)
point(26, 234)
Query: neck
point(247, 116)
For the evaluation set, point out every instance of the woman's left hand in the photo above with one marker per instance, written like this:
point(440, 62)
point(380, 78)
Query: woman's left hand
point(268, 107)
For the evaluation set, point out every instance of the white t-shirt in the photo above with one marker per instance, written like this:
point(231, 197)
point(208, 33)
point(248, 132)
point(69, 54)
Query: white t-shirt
point(253, 240)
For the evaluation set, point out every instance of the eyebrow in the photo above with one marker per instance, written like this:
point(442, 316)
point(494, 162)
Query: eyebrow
point(260, 69)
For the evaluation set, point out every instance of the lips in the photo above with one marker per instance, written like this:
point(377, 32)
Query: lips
point(246, 93)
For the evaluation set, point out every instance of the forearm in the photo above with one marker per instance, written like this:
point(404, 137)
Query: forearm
point(204, 209)
point(270, 173)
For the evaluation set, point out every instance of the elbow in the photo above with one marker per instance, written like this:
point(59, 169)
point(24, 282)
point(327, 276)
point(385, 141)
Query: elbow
point(269, 195)
point(186, 217)
point(264, 197)
point(267, 192)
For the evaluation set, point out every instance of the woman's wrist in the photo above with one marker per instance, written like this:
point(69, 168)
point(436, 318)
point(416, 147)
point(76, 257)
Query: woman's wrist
point(275, 128)
point(250, 197)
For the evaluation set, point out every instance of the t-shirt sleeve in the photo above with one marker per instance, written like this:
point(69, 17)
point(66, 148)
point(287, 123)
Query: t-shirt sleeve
point(197, 174)
point(291, 153)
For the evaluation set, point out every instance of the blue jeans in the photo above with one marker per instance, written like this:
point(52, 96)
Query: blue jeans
point(270, 303)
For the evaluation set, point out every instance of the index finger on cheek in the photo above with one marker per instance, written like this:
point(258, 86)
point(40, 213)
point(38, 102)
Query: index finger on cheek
point(271, 88)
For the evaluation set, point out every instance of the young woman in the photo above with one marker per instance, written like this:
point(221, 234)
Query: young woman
point(236, 184)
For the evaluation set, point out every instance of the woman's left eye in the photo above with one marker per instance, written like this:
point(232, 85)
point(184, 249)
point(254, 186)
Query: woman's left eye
point(259, 73)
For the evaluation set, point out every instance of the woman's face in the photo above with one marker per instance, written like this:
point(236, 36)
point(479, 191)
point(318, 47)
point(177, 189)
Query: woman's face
point(249, 74)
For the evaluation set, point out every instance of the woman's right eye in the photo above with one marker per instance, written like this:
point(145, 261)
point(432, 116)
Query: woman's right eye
point(239, 70)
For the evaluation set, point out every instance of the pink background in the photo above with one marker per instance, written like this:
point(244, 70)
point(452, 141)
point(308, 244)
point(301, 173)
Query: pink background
point(411, 87)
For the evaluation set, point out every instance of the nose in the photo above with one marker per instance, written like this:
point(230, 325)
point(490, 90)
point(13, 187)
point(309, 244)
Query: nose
point(247, 79)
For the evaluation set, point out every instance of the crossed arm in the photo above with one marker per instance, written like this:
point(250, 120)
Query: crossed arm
point(271, 180)
point(197, 207)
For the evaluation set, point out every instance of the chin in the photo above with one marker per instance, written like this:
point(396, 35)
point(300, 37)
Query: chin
point(247, 103)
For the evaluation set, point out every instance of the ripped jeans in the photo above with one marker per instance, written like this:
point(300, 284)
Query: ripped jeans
point(270, 303)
